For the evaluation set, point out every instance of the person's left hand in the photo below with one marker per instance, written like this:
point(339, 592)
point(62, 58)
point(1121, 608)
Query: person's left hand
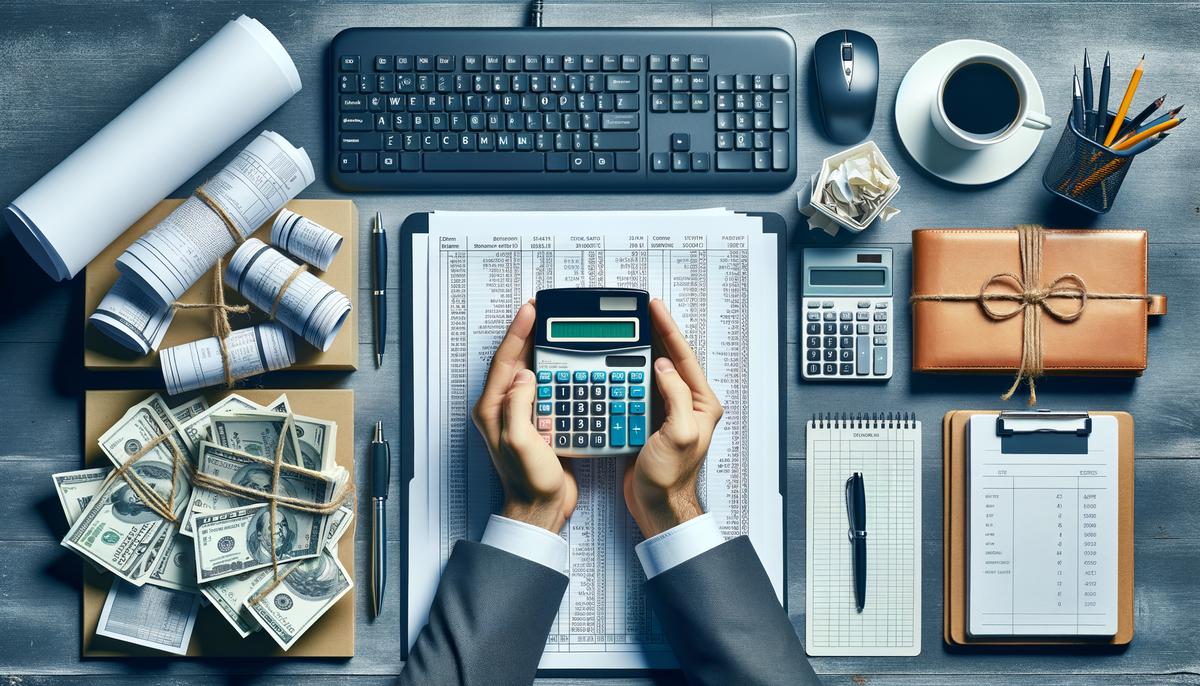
point(538, 488)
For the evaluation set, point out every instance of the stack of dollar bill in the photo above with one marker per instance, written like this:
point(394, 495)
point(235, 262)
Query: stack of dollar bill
point(218, 546)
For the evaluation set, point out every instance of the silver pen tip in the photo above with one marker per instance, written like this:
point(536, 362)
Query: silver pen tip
point(378, 220)
point(378, 437)
point(378, 360)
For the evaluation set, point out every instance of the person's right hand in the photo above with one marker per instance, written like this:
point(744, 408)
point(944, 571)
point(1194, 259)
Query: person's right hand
point(660, 484)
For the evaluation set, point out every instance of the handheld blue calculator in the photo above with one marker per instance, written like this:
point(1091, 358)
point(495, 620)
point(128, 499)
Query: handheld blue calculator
point(592, 356)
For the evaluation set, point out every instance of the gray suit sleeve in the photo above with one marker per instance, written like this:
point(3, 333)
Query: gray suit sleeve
point(720, 615)
point(489, 620)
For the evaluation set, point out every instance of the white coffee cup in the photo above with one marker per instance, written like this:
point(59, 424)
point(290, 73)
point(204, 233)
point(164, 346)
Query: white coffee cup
point(1025, 117)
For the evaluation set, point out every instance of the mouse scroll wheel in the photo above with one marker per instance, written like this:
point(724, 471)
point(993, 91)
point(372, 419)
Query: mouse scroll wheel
point(847, 52)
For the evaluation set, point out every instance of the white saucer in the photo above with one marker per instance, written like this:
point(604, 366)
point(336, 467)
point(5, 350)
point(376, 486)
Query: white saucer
point(926, 145)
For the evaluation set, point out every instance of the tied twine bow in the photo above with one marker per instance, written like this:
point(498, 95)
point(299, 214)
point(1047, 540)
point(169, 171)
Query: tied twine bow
point(1030, 300)
point(165, 507)
point(220, 310)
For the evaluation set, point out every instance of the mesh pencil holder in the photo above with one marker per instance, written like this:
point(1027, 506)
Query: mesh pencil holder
point(1085, 173)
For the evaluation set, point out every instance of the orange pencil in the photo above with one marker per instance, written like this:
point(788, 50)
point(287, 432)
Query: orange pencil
point(1119, 120)
point(1134, 140)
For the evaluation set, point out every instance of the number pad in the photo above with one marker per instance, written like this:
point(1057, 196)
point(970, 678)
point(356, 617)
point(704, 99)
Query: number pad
point(592, 409)
point(846, 339)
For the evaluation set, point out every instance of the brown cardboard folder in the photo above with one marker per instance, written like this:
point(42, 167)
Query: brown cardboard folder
point(331, 636)
point(100, 352)
point(954, 487)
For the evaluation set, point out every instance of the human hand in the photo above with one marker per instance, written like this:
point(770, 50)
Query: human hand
point(538, 489)
point(660, 484)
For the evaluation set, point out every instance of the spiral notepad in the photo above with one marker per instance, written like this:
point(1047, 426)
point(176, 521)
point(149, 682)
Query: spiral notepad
point(886, 449)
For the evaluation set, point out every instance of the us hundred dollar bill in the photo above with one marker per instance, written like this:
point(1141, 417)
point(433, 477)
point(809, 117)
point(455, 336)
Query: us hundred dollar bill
point(297, 602)
point(141, 424)
point(198, 428)
point(257, 432)
point(230, 542)
point(229, 595)
point(76, 489)
point(190, 409)
point(176, 567)
point(316, 438)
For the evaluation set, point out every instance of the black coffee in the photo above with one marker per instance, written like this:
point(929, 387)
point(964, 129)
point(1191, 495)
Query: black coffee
point(981, 99)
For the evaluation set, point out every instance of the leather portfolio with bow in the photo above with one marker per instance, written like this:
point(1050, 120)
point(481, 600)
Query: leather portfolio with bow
point(1031, 301)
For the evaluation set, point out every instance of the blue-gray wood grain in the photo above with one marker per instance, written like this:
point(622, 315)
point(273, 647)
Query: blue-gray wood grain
point(68, 67)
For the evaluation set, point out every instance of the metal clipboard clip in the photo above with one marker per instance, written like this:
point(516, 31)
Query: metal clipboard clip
point(1028, 432)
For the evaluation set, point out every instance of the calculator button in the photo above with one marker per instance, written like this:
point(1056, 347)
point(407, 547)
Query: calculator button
point(562, 423)
point(544, 408)
point(597, 392)
point(882, 305)
point(862, 316)
point(544, 376)
point(847, 369)
point(831, 329)
point(831, 341)
point(813, 304)
point(579, 423)
point(579, 440)
point(562, 392)
point(616, 377)
point(637, 408)
point(862, 356)
point(830, 354)
point(845, 315)
point(545, 423)
point(828, 304)
point(881, 316)
point(830, 368)
point(562, 409)
point(545, 392)
point(616, 408)
point(637, 392)
point(813, 329)
point(562, 377)
point(864, 304)
point(548, 438)
point(814, 369)
point(880, 328)
point(813, 354)
point(881, 340)
point(637, 431)
point(616, 432)
point(830, 316)
point(814, 342)
point(562, 440)
point(616, 392)
point(880, 368)
point(579, 408)
point(864, 328)
point(597, 440)
point(598, 377)
point(581, 377)
point(846, 355)
point(846, 342)
point(846, 329)
point(598, 407)
point(637, 377)
point(599, 424)
point(579, 392)
point(814, 316)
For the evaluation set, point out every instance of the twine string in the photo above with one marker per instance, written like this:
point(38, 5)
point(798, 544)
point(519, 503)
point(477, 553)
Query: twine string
point(220, 317)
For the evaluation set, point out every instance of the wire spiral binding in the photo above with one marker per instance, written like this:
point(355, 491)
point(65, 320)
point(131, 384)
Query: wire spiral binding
point(863, 420)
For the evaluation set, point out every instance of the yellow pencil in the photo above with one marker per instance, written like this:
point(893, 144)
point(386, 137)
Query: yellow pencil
point(1134, 140)
point(1119, 120)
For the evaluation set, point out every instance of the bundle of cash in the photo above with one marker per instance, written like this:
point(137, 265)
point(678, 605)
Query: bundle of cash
point(276, 571)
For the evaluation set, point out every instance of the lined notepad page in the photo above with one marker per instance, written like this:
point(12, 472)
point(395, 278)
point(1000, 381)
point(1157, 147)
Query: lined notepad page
point(888, 453)
point(1042, 542)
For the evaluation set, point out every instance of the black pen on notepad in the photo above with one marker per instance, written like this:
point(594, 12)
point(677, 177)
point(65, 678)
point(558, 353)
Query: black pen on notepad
point(379, 286)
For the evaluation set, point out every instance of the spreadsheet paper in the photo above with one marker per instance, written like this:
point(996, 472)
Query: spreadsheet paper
point(717, 272)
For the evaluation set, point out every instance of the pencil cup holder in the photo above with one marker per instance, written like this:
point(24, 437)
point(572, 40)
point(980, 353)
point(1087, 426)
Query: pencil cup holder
point(1085, 173)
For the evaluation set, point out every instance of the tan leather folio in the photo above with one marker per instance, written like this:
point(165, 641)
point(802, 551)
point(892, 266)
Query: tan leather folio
point(954, 553)
point(1090, 300)
point(331, 636)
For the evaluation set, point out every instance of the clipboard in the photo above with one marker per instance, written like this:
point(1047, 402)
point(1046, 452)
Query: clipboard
point(1076, 428)
point(418, 222)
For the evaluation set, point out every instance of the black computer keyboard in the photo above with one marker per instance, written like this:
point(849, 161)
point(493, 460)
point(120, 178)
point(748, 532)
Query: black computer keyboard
point(544, 109)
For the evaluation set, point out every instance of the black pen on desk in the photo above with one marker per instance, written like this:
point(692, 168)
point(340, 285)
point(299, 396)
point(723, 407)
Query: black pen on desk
point(1141, 117)
point(1077, 104)
point(1088, 114)
point(1102, 103)
point(378, 287)
point(381, 469)
point(856, 512)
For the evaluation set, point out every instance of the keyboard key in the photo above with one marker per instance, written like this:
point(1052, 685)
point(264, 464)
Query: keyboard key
point(562, 423)
point(779, 111)
point(813, 369)
point(742, 82)
point(813, 355)
point(562, 409)
point(660, 162)
point(699, 102)
point(617, 407)
point(570, 63)
point(637, 377)
point(579, 392)
point(424, 63)
point(544, 408)
point(846, 369)
point(591, 62)
point(615, 141)
point(562, 392)
point(846, 355)
point(628, 161)
point(610, 62)
point(637, 408)
point(562, 440)
point(830, 369)
point(619, 121)
point(830, 329)
point(699, 82)
point(864, 328)
point(445, 63)
point(622, 83)
point(680, 142)
point(724, 82)
point(544, 392)
point(698, 62)
point(678, 62)
point(384, 63)
point(597, 440)
point(700, 162)
point(616, 432)
point(597, 392)
point(829, 354)
point(779, 82)
point(637, 392)
point(472, 63)
point(599, 424)
point(598, 407)
point(557, 162)
point(734, 161)
point(680, 161)
point(581, 162)
point(679, 82)
point(657, 63)
point(348, 63)
point(579, 440)
point(637, 431)
point(579, 407)
point(880, 367)
point(348, 162)
point(616, 392)
point(484, 162)
point(814, 341)
point(603, 161)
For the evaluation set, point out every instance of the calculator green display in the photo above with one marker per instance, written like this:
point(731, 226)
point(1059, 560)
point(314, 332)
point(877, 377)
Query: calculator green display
point(613, 329)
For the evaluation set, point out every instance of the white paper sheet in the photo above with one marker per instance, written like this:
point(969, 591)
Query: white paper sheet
point(132, 317)
point(229, 84)
point(151, 616)
point(252, 350)
point(304, 238)
point(717, 273)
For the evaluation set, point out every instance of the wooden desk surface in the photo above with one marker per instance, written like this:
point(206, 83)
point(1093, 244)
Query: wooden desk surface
point(68, 67)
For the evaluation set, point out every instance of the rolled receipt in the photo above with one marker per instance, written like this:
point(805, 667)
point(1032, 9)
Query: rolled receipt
point(254, 350)
point(131, 317)
point(169, 258)
point(304, 238)
point(200, 108)
point(311, 308)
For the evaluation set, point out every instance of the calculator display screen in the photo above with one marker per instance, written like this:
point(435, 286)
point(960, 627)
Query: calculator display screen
point(593, 329)
point(847, 277)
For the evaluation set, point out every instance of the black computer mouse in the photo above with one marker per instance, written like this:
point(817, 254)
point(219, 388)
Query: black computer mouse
point(847, 70)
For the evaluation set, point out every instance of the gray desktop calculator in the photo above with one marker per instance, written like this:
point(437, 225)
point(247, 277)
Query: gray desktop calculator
point(848, 314)
point(592, 356)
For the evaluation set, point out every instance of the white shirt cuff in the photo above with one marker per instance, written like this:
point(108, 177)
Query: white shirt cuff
point(526, 540)
point(679, 544)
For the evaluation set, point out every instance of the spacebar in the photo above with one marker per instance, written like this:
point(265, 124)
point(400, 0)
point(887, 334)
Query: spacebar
point(483, 161)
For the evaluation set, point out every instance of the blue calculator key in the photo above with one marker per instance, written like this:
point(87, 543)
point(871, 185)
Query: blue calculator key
point(545, 392)
point(637, 408)
point(637, 431)
point(545, 408)
point(616, 377)
point(598, 377)
point(544, 376)
point(616, 408)
point(637, 392)
point(616, 392)
point(616, 432)
point(637, 377)
point(562, 377)
point(581, 377)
